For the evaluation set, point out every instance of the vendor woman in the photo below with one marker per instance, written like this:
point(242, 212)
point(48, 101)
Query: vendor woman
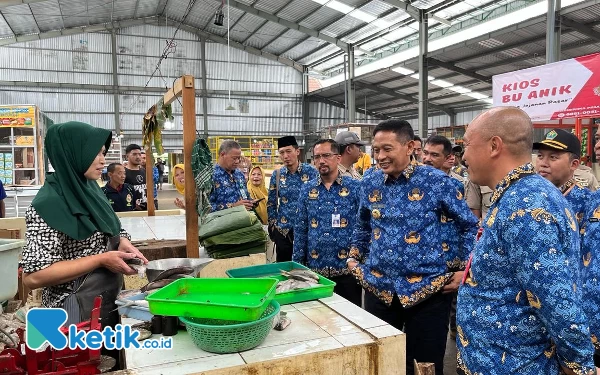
point(75, 248)
point(179, 182)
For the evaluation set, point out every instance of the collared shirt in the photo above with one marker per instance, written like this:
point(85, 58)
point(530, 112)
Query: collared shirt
point(282, 209)
point(590, 266)
point(228, 188)
point(349, 172)
point(585, 176)
point(478, 197)
point(577, 196)
point(460, 170)
point(519, 310)
point(120, 199)
point(457, 253)
point(402, 220)
point(323, 225)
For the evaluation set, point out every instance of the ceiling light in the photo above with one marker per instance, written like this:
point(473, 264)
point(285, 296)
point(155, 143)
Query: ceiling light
point(340, 7)
point(476, 95)
point(459, 89)
point(382, 23)
point(363, 16)
point(416, 76)
point(441, 83)
point(488, 100)
point(403, 71)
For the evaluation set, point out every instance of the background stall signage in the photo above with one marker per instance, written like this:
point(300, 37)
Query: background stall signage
point(15, 116)
point(565, 89)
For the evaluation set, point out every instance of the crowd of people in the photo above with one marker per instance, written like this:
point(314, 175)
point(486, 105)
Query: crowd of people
point(476, 240)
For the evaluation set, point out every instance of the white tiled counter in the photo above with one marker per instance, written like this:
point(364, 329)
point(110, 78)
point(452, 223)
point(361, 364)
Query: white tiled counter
point(330, 336)
point(170, 227)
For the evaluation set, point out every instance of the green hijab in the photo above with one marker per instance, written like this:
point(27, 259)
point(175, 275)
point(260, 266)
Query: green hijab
point(68, 201)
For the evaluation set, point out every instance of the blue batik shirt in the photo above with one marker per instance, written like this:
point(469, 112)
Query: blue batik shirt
point(323, 225)
point(399, 233)
point(282, 210)
point(590, 265)
point(228, 188)
point(519, 310)
point(577, 196)
point(457, 253)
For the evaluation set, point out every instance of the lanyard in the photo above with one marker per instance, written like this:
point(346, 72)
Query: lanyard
point(468, 267)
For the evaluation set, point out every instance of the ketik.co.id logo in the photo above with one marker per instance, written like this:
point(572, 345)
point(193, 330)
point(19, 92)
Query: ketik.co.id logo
point(44, 326)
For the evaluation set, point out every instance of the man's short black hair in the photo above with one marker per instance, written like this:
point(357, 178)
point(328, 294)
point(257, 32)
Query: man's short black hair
point(111, 167)
point(440, 140)
point(132, 147)
point(335, 147)
point(417, 138)
point(403, 130)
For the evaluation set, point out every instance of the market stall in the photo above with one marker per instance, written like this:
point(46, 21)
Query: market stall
point(330, 336)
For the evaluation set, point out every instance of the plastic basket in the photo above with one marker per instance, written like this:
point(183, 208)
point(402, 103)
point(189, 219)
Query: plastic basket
point(226, 336)
point(273, 270)
point(242, 300)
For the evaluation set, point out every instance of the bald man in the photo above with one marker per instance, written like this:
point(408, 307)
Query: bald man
point(519, 308)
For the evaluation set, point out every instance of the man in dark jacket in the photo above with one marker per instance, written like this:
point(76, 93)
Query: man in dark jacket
point(119, 194)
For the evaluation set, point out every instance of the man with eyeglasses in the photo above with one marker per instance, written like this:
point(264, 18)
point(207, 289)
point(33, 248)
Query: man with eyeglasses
point(327, 210)
point(284, 188)
point(349, 145)
point(229, 184)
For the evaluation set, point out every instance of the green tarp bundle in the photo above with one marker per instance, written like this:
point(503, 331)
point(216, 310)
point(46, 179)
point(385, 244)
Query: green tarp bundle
point(231, 233)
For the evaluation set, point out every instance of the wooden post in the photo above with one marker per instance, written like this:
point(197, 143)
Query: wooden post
point(149, 181)
point(578, 128)
point(184, 87)
point(189, 136)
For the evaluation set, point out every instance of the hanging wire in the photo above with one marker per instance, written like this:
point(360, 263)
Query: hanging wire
point(169, 48)
point(228, 51)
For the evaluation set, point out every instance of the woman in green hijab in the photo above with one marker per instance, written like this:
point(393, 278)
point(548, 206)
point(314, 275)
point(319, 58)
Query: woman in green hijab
point(75, 248)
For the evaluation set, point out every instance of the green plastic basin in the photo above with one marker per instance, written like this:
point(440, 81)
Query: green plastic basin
point(228, 299)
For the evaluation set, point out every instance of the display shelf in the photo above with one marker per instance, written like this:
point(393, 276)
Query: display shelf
point(21, 152)
point(261, 151)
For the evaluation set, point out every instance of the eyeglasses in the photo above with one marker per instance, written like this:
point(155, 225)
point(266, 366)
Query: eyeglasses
point(323, 156)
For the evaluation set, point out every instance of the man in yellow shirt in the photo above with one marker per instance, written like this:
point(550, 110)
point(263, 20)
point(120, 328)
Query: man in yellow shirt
point(363, 163)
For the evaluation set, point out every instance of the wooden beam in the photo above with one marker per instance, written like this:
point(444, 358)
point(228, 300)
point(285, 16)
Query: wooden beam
point(149, 181)
point(176, 91)
point(186, 85)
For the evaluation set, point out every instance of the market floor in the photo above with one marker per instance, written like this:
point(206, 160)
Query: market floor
point(450, 358)
point(166, 198)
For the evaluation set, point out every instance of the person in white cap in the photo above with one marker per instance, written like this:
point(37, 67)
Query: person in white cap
point(350, 151)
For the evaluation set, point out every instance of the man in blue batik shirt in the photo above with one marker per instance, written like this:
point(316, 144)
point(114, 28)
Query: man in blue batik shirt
point(557, 159)
point(229, 184)
point(399, 243)
point(327, 210)
point(284, 188)
point(519, 309)
point(589, 262)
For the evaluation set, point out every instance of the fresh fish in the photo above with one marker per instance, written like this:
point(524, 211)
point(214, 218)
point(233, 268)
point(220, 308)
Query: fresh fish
point(139, 303)
point(181, 276)
point(293, 284)
point(138, 265)
point(174, 271)
point(301, 274)
point(156, 284)
point(282, 322)
point(128, 293)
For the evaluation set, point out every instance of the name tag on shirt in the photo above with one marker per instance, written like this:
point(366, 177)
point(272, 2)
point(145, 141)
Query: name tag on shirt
point(335, 220)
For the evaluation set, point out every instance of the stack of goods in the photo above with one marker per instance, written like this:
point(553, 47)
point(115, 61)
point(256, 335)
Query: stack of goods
point(6, 169)
point(233, 232)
